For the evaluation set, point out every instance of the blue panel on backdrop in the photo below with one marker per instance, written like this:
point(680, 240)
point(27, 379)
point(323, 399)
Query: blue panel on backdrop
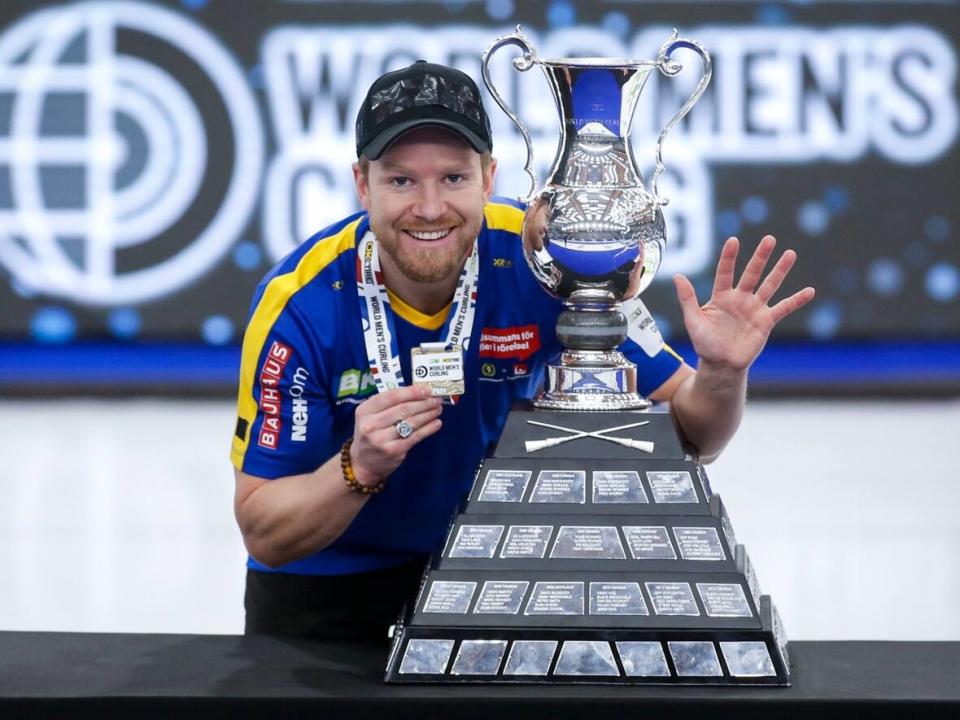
point(174, 367)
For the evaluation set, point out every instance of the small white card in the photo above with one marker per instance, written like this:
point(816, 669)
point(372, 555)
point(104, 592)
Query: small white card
point(438, 367)
point(642, 328)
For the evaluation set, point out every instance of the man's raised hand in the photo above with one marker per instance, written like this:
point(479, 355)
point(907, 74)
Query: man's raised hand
point(731, 329)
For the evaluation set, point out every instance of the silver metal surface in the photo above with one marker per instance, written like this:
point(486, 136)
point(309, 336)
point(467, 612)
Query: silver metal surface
point(501, 597)
point(695, 658)
point(555, 598)
point(724, 600)
point(593, 234)
point(530, 657)
point(748, 658)
point(479, 657)
point(504, 486)
point(447, 596)
point(426, 657)
point(643, 659)
point(586, 657)
point(404, 429)
point(617, 598)
point(476, 541)
point(588, 542)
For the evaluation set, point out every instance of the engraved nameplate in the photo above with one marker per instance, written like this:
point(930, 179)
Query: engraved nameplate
point(476, 541)
point(504, 486)
point(671, 487)
point(479, 657)
point(699, 543)
point(649, 543)
point(449, 597)
point(526, 541)
point(560, 486)
point(644, 658)
point(724, 600)
point(426, 657)
point(672, 598)
point(601, 543)
point(747, 658)
point(586, 657)
point(530, 657)
point(617, 598)
point(501, 597)
point(556, 598)
point(695, 658)
point(618, 486)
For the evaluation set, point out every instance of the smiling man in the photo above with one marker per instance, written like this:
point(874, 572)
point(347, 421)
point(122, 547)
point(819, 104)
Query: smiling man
point(346, 475)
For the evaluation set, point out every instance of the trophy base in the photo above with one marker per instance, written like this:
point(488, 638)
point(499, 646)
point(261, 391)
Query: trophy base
point(590, 380)
point(590, 549)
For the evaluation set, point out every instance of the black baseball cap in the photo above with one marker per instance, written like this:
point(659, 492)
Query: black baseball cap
point(418, 95)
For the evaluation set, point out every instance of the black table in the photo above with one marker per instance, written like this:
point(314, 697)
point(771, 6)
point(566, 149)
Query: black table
point(107, 675)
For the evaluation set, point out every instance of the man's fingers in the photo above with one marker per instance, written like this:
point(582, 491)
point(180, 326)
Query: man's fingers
point(753, 271)
point(772, 282)
point(387, 437)
point(381, 401)
point(726, 265)
point(423, 427)
point(404, 411)
point(792, 304)
point(424, 432)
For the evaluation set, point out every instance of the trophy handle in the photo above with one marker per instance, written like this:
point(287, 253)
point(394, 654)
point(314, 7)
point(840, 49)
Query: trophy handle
point(670, 69)
point(522, 63)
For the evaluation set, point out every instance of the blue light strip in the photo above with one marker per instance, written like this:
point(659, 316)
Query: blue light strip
point(173, 366)
point(105, 364)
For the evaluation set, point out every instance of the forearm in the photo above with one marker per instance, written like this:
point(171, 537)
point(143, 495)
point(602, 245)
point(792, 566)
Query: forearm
point(295, 516)
point(708, 406)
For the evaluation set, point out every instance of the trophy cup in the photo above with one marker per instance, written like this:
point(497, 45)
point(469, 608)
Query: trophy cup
point(599, 554)
point(593, 235)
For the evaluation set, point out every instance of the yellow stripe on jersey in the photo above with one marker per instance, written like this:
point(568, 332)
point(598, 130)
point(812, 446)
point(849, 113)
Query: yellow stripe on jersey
point(414, 316)
point(501, 216)
point(274, 299)
point(672, 352)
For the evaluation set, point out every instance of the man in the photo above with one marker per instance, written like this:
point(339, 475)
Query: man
point(347, 475)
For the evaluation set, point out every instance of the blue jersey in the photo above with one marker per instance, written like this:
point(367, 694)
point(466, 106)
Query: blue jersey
point(304, 370)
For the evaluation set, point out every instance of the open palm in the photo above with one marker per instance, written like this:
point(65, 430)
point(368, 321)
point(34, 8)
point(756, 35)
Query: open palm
point(733, 326)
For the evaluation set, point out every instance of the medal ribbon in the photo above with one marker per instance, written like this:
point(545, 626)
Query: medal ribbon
point(379, 334)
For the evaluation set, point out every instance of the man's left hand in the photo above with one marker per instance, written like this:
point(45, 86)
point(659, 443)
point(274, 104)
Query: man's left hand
point(732, 328)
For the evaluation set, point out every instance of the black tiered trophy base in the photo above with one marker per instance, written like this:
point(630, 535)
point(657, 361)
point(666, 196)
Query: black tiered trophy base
point(593, 559)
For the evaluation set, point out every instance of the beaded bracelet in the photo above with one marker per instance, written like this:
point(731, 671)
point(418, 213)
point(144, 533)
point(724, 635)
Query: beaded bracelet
point(350, 478)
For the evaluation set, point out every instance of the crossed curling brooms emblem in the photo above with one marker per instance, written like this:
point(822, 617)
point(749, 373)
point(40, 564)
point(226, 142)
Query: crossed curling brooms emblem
point(534, 445)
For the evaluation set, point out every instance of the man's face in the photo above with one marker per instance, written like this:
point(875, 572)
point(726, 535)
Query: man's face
point(425, 196)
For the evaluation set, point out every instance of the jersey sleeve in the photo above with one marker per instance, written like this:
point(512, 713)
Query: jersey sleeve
point(284, 416)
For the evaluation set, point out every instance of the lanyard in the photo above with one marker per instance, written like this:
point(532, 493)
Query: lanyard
point(379, 335)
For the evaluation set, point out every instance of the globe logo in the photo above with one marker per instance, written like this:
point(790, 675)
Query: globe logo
point(131, 151)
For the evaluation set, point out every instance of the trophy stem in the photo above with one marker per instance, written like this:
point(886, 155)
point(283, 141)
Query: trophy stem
point(592, 374)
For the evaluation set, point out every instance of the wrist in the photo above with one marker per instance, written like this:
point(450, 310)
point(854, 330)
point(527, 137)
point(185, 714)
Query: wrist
point(349, 473)
point(721, 371)
point(363, 476)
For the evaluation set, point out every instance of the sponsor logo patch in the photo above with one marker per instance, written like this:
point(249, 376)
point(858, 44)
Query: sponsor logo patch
point(510, 343)
point(355, 382)
point(270, 375)
point(299, 410)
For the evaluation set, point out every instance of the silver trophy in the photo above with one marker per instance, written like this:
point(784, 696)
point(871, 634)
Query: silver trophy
point(593, 234)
